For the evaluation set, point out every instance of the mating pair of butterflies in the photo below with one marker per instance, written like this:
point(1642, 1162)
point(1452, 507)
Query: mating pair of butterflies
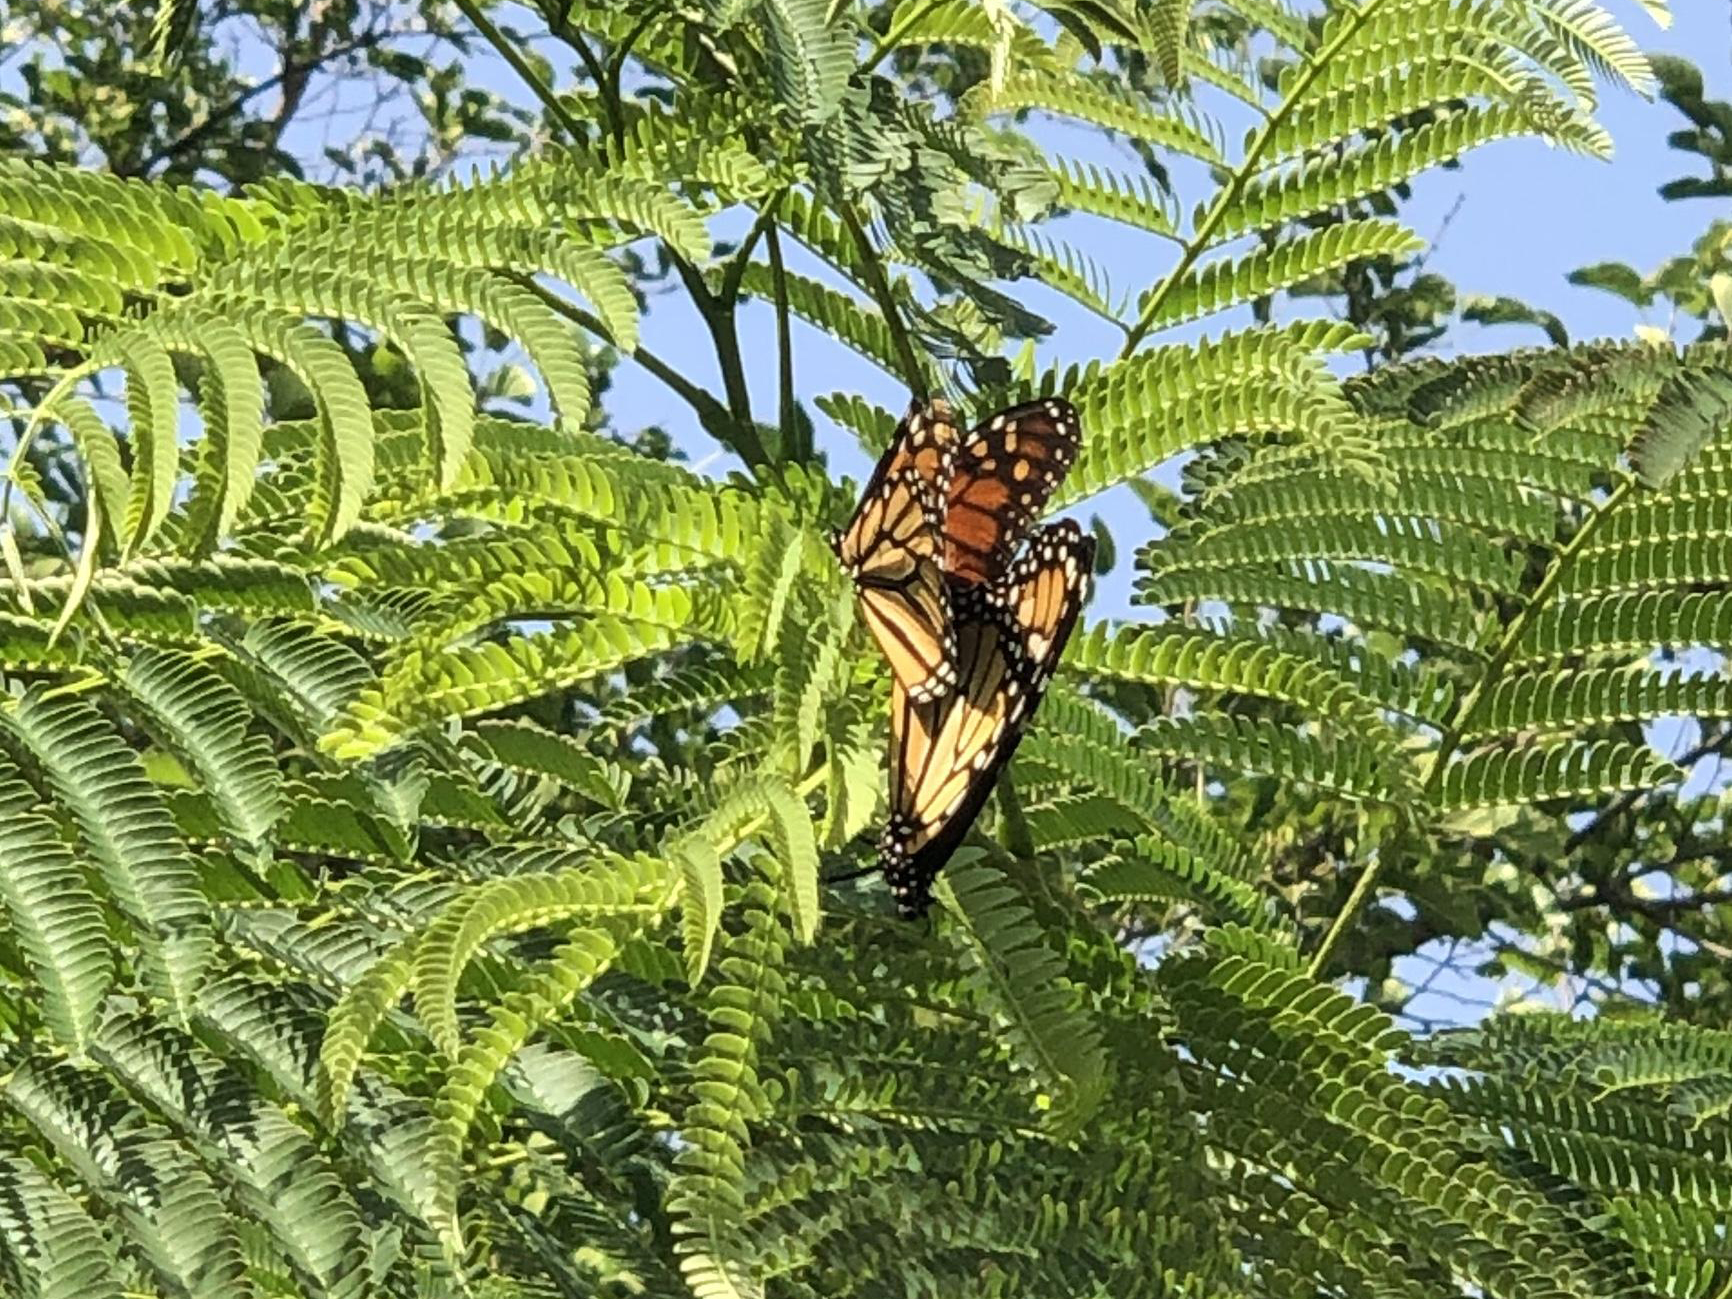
point(972, 632)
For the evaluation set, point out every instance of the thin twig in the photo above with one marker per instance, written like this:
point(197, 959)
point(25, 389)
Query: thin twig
point(518, 64)
point(785, 408)
point(1630, 798)
point(876, 281)
point(197, 133)
point(1230, 192)
point(605, 86)
point(1617, 893)
point(616, 63)
point(736, 429)
point(898, 28)
point(1442, 229)
point(736, 270)
point(708, 409)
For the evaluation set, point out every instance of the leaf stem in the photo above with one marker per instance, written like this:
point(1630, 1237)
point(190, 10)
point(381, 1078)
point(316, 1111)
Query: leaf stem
point(758, 820)
point(1451, 739)
point(1013, 828)
point(713, 414)
point(737, 432)
point(616, 63)
point(873, 267)
point(518, 64)
point(898, 29)
point(1242, 174)
point(785, 407)
point(743, 254)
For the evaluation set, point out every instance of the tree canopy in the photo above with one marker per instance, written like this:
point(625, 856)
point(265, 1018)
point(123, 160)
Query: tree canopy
point(425, 799)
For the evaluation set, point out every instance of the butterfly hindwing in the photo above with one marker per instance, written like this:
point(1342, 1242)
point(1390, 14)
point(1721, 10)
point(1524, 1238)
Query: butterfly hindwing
point(1005, 471)
point(892, 549)
point(902, 594)
point(946, 754)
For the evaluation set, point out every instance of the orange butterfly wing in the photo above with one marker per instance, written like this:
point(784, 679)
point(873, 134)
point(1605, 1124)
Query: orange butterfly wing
point(1005, 472)
point(946, 754)
point(892, 549)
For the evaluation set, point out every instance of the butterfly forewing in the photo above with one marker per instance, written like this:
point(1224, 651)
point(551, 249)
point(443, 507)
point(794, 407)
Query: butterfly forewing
point(893, 550)
point(925, 444)
point(1005, 471)
point(946, 754)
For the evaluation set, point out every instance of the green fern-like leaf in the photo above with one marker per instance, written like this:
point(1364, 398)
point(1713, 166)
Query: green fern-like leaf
point(1596, 38)
point(1570, 769)
point(1177, 128)
point(809, 672)
point(126, 829)
point(700, 870)
point(523, 746)
point(631, 888)
point(1155, 404)
point(1081, 742)
point(172, 1211)
point(1367, 598)
point(811, 56)
point(795, 843)
point(1341, 764)
point(1022, 981)
point(1100, 191)
point(422, 686)
point(1351, 174)
point(1204, 661)
point(1147, 869)
point(205, 720)
point(56, 1248)
point(1629, 623)
point(579, 960)
point(355, 1019)
point(1692, 408)
point(58, 922)
point(1575, 698)
point(281, 1176)
point(706, 1197)
point(1227, 283)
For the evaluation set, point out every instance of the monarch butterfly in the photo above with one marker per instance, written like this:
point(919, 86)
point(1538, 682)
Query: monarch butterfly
point(892, 550)
point(1004, 472)
point(974, 505)
point(946, 754)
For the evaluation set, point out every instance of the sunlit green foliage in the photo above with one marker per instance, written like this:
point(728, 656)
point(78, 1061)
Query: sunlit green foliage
point(414, 821)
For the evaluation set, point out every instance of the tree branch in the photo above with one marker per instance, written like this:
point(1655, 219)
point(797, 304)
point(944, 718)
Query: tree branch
point(1617, 894)
point(195, 135)
point(1630, 799)
point(737, 431)
point(785, 407)
point(709, 411)
point(898, 27)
